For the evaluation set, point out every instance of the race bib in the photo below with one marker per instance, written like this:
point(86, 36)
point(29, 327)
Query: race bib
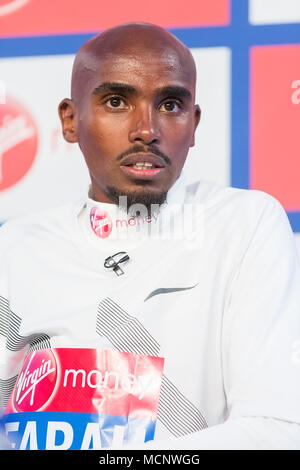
point(83, 399)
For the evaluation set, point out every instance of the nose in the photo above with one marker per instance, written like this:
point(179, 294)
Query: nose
point(144, 125)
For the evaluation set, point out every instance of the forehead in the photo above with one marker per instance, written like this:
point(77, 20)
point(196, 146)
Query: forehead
point(145, 69)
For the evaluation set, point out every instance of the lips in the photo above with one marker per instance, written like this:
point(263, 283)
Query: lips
point(142, 165)
point(149, 158)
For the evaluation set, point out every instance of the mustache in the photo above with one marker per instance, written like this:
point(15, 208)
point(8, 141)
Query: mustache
point(150, 149)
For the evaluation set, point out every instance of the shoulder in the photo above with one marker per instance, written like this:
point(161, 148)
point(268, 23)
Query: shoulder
point(54, 221)
point(252, 203)
point(242, 215)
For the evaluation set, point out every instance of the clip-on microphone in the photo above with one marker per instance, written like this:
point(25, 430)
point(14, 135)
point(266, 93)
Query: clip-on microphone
point(110, 262)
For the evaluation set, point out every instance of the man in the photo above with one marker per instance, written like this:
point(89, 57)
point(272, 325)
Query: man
point(199, 284)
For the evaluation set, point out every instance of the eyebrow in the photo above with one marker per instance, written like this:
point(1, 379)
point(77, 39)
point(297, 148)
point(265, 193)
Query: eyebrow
point(177, 91)
point(116, 87)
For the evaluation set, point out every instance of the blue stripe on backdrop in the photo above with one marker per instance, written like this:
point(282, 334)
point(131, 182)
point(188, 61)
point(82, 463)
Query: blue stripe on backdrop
point(239, 36)
point(294, 218)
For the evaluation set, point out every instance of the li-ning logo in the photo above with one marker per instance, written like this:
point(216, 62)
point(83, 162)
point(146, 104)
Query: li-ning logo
point(37, 381)
point(10, 6)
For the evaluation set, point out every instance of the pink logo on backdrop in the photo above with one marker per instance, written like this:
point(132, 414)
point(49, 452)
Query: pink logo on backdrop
point(35, 386)
point(18, 143)
point(10, 6)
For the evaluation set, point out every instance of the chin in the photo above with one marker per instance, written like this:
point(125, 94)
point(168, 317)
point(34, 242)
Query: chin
point(139, 196)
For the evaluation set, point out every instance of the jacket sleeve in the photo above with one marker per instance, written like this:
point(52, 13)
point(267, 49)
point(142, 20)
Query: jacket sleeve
point(10, 359)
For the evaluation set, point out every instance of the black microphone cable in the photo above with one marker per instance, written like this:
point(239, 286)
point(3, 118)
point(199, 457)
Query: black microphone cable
point(112, 263)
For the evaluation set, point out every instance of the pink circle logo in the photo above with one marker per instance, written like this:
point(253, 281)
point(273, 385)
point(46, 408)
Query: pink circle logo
point(10, 6)
point(18, 143)
point(101, 222)
point(36, 382)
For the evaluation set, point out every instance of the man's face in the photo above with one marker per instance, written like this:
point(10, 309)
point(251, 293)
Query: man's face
point(136, 123)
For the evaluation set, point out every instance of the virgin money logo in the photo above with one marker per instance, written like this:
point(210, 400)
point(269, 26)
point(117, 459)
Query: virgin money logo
point(10, 6)
point(18, 143)
point(101, 222)
point(35, 386)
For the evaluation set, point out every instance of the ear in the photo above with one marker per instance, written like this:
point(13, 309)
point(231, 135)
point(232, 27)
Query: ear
point(197, 116)
point(68, 116)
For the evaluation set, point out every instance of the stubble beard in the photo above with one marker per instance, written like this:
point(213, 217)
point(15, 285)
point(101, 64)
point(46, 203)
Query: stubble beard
point(140, 202)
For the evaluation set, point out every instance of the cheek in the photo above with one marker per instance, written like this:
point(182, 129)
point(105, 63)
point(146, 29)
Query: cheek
point(107, 134)
point(178, 140)
point(92, 142)
point(178, 130)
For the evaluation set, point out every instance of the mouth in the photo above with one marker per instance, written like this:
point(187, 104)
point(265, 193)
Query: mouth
point(143, 165)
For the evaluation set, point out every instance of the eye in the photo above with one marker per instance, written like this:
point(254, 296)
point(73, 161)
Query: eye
point(116, 102)
point(170, 106)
